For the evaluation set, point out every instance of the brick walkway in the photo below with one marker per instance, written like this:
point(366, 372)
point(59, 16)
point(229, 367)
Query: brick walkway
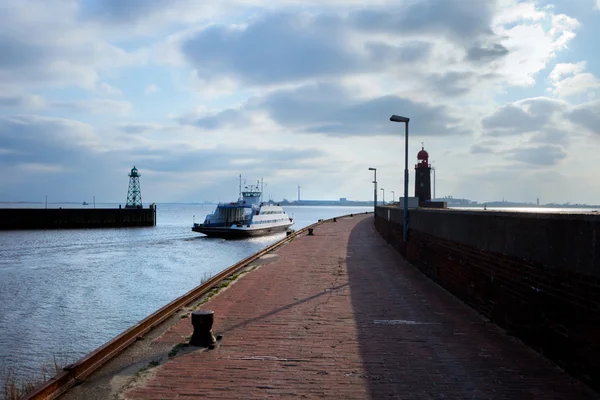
point(342, 315)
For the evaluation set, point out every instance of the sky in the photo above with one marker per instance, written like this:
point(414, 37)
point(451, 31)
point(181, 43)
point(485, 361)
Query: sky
point(503, 95)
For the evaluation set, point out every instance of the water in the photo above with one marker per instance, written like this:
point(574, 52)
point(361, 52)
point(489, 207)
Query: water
point(64, 293)
point(563, 210)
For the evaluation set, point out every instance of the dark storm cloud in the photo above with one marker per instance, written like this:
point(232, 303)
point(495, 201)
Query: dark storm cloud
point(543, 155)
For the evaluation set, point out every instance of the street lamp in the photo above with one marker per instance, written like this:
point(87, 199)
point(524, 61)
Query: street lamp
point(383, 198)
point(374, 190)
point(393, 195)
point(397, 118)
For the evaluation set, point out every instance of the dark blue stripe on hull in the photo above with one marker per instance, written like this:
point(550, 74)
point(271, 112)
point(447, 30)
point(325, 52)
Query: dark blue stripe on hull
point(238, 233)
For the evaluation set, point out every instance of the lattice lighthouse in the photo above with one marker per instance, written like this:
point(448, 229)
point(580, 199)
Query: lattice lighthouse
point(134, 194)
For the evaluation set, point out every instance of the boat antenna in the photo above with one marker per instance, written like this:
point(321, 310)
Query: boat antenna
point(261, 189)
point(240, 186)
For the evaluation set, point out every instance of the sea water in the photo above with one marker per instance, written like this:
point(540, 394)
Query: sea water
point(63, 293)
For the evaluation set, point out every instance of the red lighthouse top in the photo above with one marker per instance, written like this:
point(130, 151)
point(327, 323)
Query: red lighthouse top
point(423, 158)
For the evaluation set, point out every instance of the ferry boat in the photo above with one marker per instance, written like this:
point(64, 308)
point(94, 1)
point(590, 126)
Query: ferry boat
point(248, 216)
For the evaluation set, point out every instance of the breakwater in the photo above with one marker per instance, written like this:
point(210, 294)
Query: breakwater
point(76, 218)
point(537, 275)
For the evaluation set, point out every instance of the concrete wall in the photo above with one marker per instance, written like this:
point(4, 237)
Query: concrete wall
point(74, 218)
point(536, 275)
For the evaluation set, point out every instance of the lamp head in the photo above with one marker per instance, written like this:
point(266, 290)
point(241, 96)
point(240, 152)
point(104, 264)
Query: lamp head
point(397, 118)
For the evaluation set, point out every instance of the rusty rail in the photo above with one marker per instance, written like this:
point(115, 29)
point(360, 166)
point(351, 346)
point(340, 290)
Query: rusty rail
point(75, 373)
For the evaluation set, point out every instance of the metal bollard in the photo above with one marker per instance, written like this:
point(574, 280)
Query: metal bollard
point(310, 231)
point(202, 321)
point(288, 233)
point(334, 219)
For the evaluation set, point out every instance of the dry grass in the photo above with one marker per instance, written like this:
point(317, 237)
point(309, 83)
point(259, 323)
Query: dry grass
point(15, 387)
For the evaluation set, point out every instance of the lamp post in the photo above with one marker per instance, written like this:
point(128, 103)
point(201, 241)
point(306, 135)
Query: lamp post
point(397, 118)
point(393, 195)
point(374, 190)
point(433, 169)
point(383, 197)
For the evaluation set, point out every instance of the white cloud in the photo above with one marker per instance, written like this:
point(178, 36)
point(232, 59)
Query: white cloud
point(330, 76)
point(151, 88)
point(44, 44)
point(569, 79)
point(104, 89)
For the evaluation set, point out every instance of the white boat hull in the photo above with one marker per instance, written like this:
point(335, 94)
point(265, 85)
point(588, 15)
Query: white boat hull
point(239, 232)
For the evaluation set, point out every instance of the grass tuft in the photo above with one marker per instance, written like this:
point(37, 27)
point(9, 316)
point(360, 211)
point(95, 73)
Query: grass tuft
point(177, 348)
point(16, 387)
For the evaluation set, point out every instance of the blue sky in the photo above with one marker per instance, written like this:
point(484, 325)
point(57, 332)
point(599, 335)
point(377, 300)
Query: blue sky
point(503, 93)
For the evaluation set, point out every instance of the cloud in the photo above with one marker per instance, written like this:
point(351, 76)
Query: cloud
point(458, 83)
point(303, 45)
point(22, 101)
point(105, 89)
point(587, 116)
point(486, 53)
point(524, 116)
point(43, 44)
point(332, 110)
point(87, 106)
point(459, 20)
point(543, 155)
point(93, 106)
point(138, 128)
point(151, 88)
point(569, 79)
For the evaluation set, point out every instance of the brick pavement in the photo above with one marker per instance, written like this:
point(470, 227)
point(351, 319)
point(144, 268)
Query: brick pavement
point(341, 315)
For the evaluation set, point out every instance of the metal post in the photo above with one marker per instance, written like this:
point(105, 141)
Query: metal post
point(374, 191)
point(375, 186)
point(405, 230)
point(434, 183)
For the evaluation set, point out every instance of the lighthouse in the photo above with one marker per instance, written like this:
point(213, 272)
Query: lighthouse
point(423, 176)
point(134, 193)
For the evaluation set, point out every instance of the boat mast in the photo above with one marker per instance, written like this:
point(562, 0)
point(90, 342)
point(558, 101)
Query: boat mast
point(240, 187)
point(261, 190)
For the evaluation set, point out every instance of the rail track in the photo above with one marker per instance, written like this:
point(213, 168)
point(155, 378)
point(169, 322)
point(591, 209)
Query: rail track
point(77, 372)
